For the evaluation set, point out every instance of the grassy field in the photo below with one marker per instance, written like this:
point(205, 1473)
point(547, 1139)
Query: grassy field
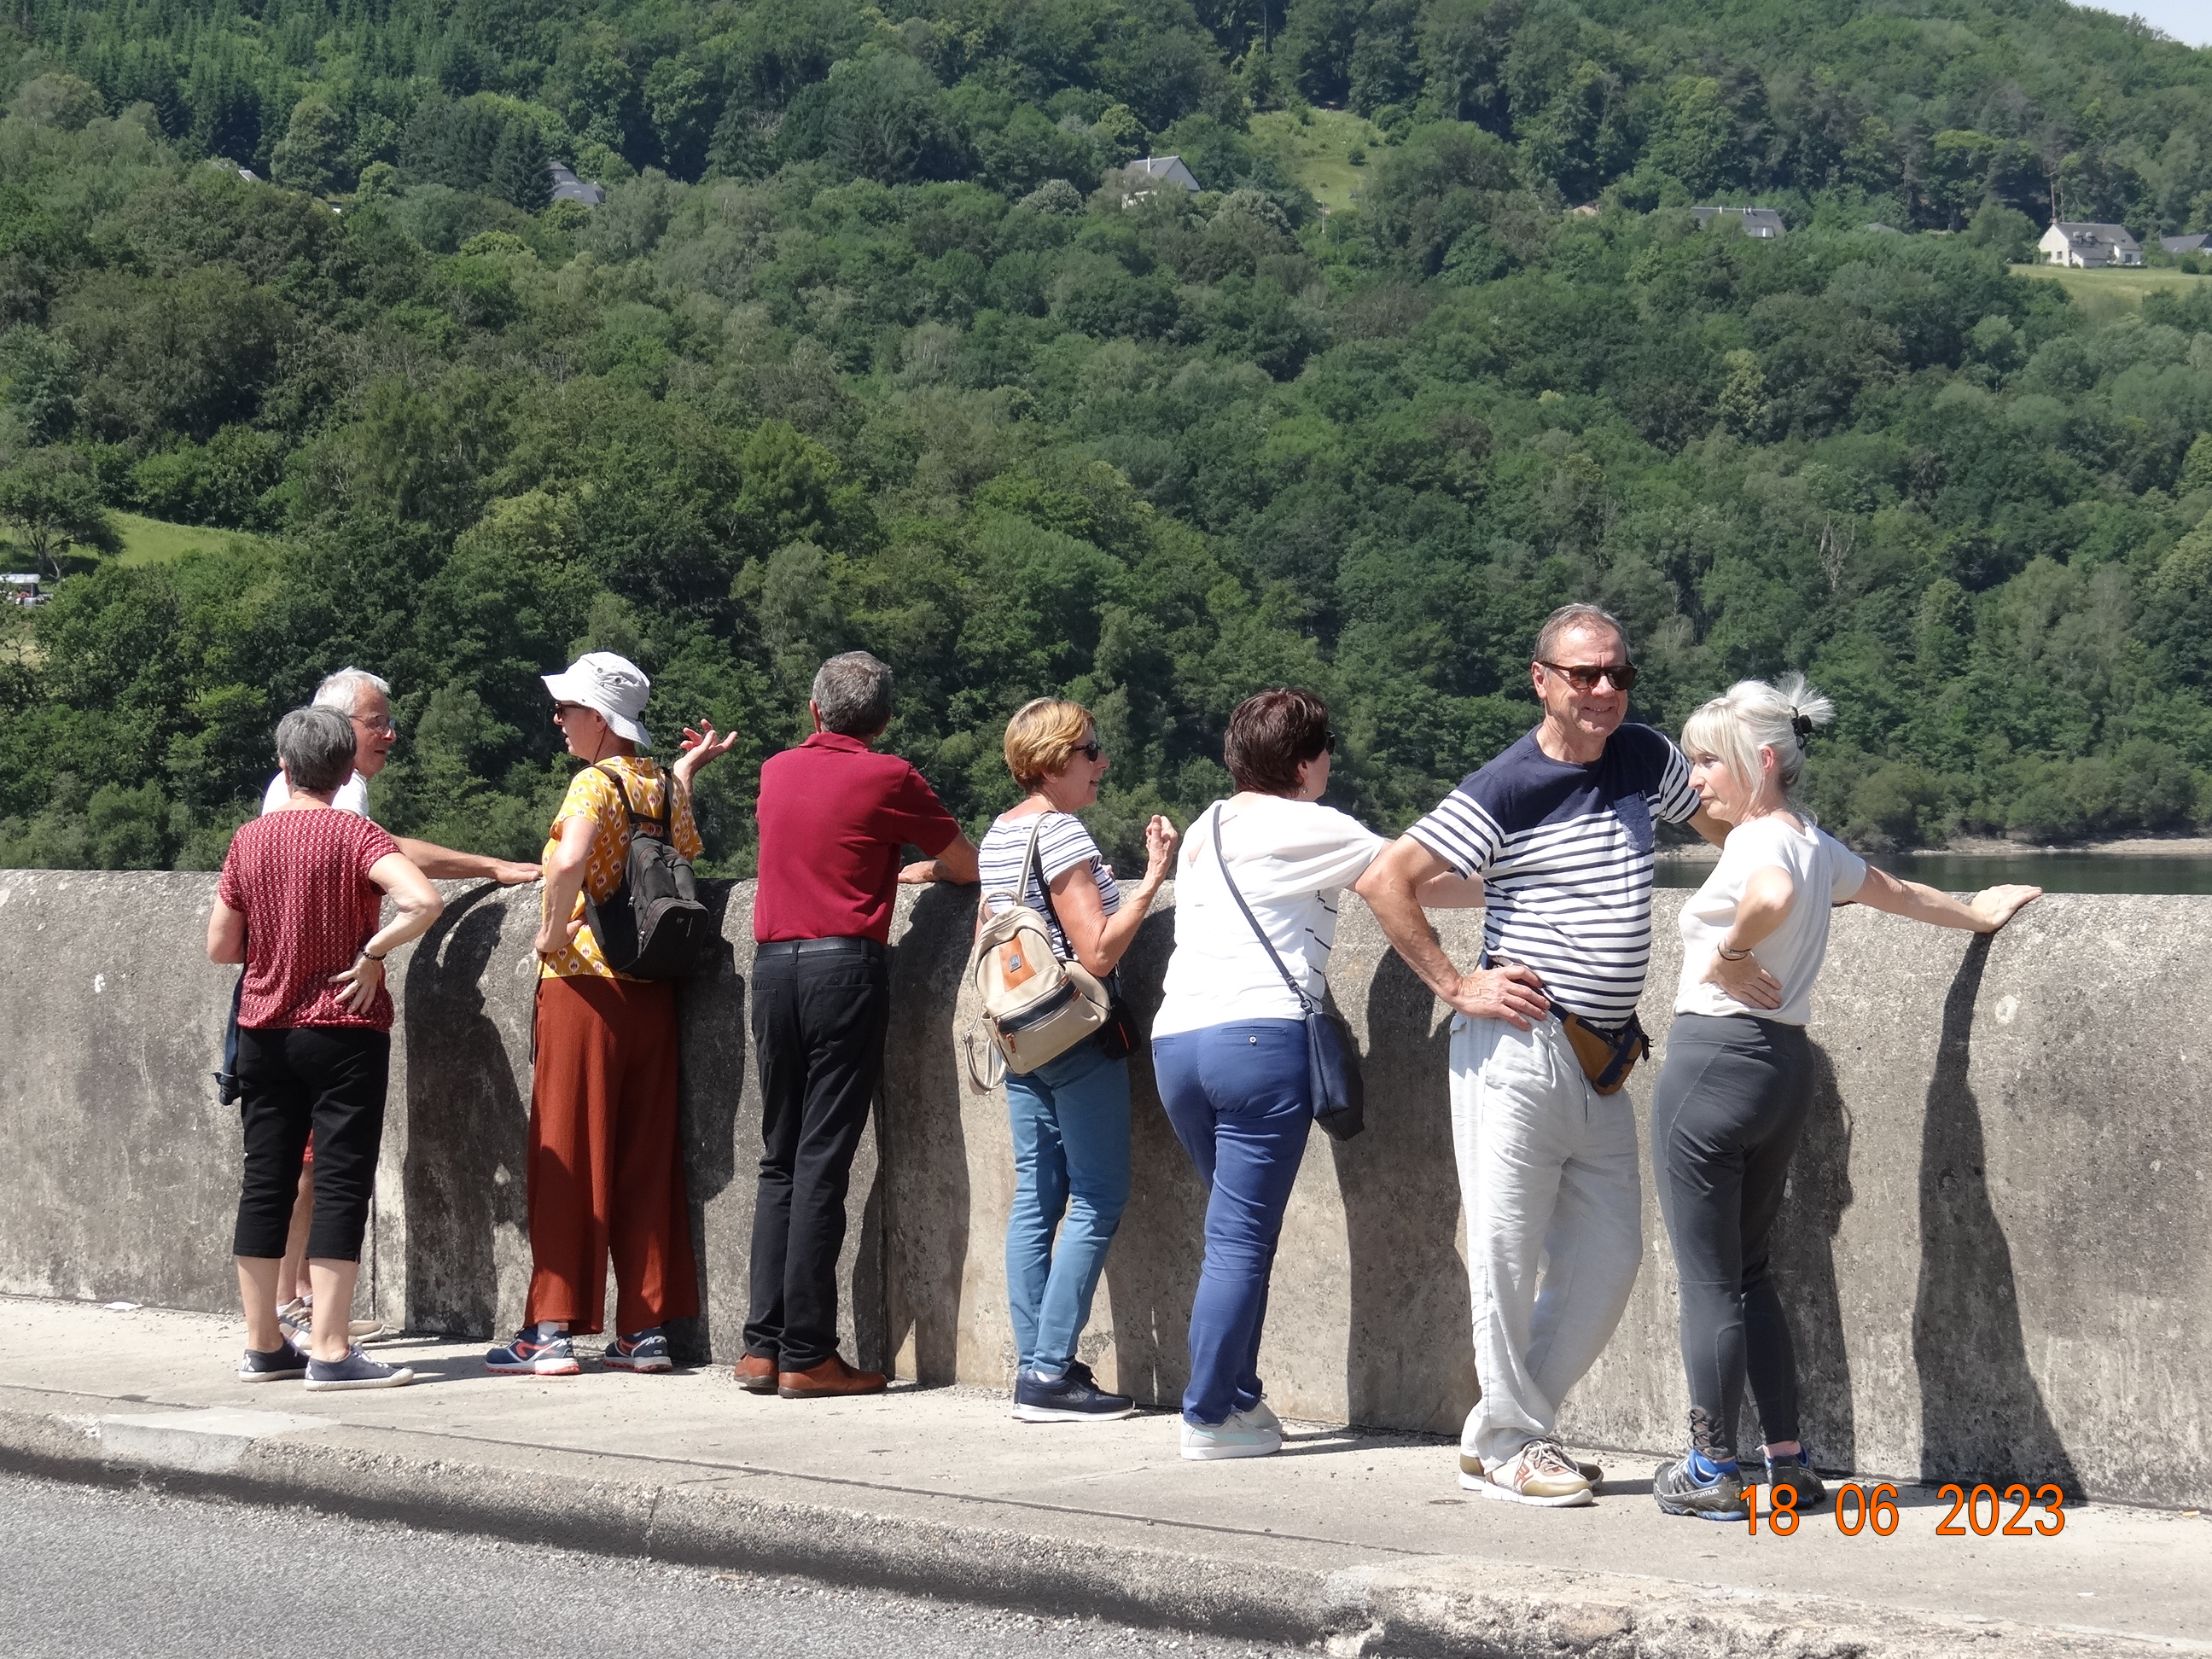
point(2103, 295)
point(152, 541)
point(1318, 150)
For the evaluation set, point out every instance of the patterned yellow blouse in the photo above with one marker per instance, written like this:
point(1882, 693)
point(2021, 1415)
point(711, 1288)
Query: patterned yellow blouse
point(592, 795)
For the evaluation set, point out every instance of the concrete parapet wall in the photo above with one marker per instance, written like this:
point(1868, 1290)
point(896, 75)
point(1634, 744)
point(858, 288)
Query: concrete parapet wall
point(1995, 1249)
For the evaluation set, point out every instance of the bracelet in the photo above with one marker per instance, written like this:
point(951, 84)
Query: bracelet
point(1728, 955)
point(367, 956)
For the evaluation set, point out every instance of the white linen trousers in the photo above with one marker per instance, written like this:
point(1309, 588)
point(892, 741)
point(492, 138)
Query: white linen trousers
point(1553, 1187)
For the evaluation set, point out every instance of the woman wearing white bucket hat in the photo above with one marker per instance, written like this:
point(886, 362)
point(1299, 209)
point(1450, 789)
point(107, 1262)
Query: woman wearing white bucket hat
point(604, 1169)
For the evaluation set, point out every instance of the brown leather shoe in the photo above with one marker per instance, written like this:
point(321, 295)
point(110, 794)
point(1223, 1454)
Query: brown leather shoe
point(832, 1379)
point(755, 1374)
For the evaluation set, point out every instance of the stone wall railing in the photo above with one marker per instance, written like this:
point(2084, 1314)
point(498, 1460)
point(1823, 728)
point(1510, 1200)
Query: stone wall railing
point(1996, 1248)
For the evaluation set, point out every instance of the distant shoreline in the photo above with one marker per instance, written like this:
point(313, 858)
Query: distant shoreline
point(1991, 846)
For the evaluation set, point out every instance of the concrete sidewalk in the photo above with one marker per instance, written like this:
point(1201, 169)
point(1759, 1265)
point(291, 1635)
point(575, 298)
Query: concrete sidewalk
point(1361, 1542)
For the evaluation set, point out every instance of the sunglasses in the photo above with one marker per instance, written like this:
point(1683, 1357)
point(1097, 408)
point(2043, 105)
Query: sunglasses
point(1089, 752)
point(1622, 674)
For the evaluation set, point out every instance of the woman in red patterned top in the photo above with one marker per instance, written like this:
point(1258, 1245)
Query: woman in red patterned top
point(301, 892)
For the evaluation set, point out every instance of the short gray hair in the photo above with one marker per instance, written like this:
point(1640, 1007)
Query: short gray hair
point(1574, 618)
point(854, 692)
point(343, 689)
point(1750, 716)
point(315, 745)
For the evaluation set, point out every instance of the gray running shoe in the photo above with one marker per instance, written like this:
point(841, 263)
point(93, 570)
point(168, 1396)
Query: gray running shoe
point(1677, 1492)
point(355, 1371)
point(1797, 1473)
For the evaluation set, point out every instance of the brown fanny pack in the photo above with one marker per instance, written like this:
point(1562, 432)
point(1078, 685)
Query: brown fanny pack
point(1606, 1056)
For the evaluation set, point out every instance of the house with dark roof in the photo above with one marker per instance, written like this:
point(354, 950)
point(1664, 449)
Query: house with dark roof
point(1763, 223)
point(2075, 242)
point(1158, 170)
point(2192, 244)
point(567, 187)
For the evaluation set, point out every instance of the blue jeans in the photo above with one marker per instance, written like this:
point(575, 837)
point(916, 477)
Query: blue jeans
point(1071, 1124)
point(1237, 1096)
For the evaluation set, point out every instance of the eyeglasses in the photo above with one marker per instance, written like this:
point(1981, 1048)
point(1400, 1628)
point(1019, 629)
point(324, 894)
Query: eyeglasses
point(1622, 674)
point(387, 726)
point(1328, 743)
point(1089, 752)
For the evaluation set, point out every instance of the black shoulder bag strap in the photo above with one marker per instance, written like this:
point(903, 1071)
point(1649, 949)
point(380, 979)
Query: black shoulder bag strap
point(1335, 1088)
point(1259, 932)
point(1118, 1036)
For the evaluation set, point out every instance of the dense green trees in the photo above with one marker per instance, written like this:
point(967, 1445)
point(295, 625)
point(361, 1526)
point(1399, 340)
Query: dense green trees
point(865, 349)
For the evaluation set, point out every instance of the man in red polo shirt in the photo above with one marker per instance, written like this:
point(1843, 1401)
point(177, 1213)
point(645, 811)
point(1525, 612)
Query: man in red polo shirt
point(835, 817)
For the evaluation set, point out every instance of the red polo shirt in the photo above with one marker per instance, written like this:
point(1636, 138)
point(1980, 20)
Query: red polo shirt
point(834, 817)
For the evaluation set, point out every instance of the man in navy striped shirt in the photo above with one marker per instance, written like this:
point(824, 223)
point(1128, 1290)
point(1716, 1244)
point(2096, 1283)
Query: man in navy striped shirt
point(1560, 829)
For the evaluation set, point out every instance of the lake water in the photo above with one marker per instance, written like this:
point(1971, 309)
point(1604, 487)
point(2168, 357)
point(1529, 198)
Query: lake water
point(2054, 872)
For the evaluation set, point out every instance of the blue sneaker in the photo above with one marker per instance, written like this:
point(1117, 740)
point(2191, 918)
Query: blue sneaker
point(1688, 1485)
point(355, 1371)
point(526, 1356)
point(1797, 1473)
point(647, 1351)
point(281, 1365)
point(1075, 1397)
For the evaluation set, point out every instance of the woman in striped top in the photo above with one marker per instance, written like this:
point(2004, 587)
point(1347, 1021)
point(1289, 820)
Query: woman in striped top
point(1070, 1117)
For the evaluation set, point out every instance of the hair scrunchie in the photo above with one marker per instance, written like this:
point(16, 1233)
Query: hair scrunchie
point(1801, 724)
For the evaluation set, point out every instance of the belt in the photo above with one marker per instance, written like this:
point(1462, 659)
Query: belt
point(842, 945)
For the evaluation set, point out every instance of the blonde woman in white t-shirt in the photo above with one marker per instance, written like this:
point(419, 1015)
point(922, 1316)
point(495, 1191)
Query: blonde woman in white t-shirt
point(1733, 1092)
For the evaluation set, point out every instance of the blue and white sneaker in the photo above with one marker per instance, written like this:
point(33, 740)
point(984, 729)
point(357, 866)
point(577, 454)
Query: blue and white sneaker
point(526, 1356)
point(647, 1351)
point(355, 1371)
point(1797, 1473)
point(281, 1365)
point(1074, 1397)
point(1690, 1486)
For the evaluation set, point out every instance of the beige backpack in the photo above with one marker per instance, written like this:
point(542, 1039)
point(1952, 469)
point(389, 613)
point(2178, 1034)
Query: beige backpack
point(1035, 1007)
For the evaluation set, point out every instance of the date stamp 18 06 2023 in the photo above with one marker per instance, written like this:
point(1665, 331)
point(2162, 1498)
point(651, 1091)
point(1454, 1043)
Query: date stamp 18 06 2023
point(1977, 1511)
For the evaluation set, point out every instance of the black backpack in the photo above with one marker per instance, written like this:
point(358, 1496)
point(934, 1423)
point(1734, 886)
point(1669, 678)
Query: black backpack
point(652, 927)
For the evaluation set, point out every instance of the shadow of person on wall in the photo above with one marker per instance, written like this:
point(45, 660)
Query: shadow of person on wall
point(1982, 1414)
point(1152, 1271)
point(1804, 1257)
point(467, 1122)
point(1409, 1357)
point(916, 1214)
point(711, 1026)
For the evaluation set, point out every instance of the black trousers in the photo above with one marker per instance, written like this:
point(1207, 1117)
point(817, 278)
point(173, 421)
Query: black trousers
point(327, 1078)
point(1726, 1115)
point(818, 1022)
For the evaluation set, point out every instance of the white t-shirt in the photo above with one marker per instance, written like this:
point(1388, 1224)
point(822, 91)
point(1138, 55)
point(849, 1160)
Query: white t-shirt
point(1291, 860)
point(352, 795)
point(1823, 871)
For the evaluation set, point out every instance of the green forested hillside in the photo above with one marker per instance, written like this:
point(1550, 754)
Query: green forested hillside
point(868, 345)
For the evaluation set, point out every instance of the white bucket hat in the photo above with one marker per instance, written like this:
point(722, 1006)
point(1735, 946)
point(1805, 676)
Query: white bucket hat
point(609, 685)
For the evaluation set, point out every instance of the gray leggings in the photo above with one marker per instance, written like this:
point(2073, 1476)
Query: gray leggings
point(1729, 1105)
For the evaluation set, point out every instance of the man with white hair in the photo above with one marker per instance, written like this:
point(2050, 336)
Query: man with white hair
point(366, 700)
point(1543, 1032)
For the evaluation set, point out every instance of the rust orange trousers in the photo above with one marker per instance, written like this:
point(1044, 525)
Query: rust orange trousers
point(606, 1173)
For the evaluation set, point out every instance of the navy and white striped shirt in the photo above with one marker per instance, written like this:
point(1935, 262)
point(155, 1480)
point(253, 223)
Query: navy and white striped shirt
point(1566, 855)
point(1062, 843)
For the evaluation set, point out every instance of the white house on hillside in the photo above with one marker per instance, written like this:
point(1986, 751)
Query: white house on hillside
point(2070, 243)
point(1765, 224)
point(1158, 170)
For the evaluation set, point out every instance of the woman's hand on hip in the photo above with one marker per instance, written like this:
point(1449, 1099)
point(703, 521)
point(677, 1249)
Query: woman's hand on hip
point(1745, 980)
point(552, 940)
point(361, 982)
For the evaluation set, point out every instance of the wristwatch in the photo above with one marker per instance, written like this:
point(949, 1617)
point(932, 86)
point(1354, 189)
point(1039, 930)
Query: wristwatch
point(1728, 955)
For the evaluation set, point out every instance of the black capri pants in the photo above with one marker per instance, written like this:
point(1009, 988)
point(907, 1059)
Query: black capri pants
point(1726, 1114)
point(329, 1079)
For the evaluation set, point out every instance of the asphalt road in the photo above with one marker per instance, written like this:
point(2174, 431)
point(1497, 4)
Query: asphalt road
point(117, 1574)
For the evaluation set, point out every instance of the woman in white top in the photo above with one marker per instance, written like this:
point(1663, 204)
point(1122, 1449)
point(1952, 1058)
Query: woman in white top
point(1732, 1095)
point(1070, 1117)
point(1229, 1043)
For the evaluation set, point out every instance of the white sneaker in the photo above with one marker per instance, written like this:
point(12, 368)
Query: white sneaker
point(1261, 1417)
point(1540, 1474)
point(1241, 1434)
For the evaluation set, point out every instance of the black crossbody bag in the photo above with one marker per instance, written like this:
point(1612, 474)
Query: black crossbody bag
point(1339, 1093)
